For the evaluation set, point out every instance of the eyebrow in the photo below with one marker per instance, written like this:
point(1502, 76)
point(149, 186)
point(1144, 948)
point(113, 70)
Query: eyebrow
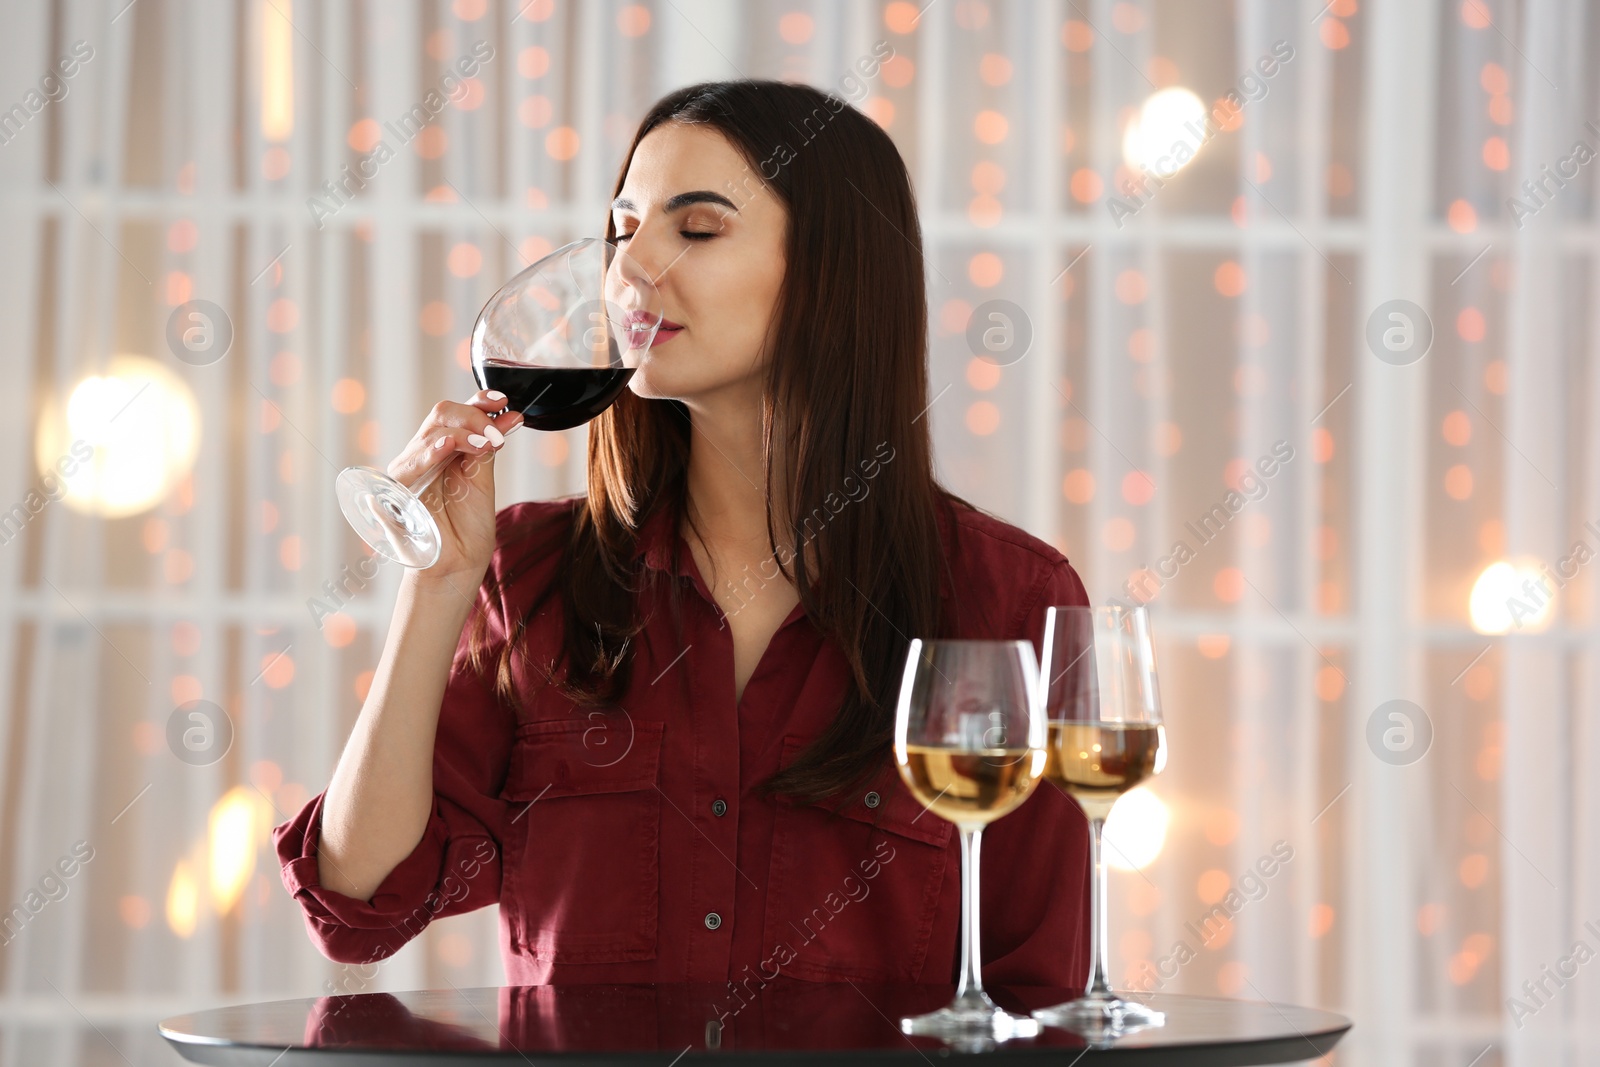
point(698, 196)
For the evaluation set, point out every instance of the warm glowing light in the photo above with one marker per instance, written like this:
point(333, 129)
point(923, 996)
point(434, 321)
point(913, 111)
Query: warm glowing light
point(633, 20)
point(1162, 137)
point(135, 911)
point(435, 318)
point(562, 143)
point(1510, 596)
point(277, 70)
point(982, 374)
point(124, 439)
point(1462, 216)
point(795, 27)
point(533, 62)
point(1077, 36)
point(1078, 486)
point(901, 17)
point(233, 835)
point(1137, 488)
point(1136, 830)
point(1213, 886)
point(1229, 278)
point(183, 900)
point(983, 418)
point(348, 396)
point(1119, 534)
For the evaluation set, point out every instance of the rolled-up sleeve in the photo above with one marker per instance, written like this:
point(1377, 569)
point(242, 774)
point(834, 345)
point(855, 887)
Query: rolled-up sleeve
point(454, 868)
point(1034, 900)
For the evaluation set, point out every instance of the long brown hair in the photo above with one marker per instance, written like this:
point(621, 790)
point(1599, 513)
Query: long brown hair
point(847, 382)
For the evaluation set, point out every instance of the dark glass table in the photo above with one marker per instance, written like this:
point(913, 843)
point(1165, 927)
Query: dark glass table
point(787, 1022)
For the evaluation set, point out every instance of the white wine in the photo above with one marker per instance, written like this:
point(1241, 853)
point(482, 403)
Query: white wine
point(1096, 762)
point(971, 786)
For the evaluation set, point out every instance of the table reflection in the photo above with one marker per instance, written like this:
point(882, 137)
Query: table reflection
point(784, 1015)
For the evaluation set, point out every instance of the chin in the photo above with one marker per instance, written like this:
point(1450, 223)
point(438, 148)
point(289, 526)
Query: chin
point(680, 374)
point(655, 383)
point(640, 388)
point(650, 382)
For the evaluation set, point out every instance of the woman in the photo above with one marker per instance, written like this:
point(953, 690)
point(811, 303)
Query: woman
point(659, 734)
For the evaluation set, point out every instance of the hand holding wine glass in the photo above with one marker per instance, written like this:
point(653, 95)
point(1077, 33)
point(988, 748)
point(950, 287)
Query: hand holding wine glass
point(551, 345)
point(969, 742)
point(462, 500)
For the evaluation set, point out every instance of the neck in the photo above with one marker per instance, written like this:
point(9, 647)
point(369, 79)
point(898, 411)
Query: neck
point(727, 476)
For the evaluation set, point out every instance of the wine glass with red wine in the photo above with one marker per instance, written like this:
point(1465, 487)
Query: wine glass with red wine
point(555, 340)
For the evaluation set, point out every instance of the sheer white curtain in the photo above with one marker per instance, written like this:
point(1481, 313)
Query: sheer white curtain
point(200, 153)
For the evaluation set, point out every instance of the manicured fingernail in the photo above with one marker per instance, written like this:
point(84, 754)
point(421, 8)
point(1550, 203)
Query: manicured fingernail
point(494, 435)
point(495, 394)
point(477, 440)
point(441, 442)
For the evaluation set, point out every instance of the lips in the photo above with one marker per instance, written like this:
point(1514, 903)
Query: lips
point(638, 325)
point(665, 332)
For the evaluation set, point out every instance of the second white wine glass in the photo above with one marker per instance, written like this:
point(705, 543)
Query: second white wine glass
point(1098, 684)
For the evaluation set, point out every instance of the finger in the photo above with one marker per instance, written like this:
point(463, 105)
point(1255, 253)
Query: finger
point(493, 403)
point(448, 415)
point(440, 443)
point(490, 400)
point(465, 439)
point(473, 471)
point(506, 420)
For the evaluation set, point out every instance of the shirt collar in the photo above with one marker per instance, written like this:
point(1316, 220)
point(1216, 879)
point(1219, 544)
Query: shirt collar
point(658, 536)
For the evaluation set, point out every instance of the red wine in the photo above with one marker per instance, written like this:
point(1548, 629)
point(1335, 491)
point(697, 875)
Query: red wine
point(555, 398)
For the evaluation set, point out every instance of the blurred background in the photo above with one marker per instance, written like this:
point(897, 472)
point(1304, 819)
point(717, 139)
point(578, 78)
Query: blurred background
point(1171, 245)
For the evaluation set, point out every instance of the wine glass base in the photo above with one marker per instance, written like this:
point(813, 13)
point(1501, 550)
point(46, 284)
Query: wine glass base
point(389, 517)
point(971, 1016)
point(1100, 1011)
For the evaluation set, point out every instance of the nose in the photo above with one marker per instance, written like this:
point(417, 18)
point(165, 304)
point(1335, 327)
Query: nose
point(645, 254)
point(630, 284)
point(627, 271)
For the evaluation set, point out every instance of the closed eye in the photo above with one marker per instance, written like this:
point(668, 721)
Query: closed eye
point(692, 235)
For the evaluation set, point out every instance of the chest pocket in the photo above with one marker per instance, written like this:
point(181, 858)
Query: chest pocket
point(583, 840)
point(855, 894)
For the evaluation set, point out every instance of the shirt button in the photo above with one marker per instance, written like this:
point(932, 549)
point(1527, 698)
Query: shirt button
point(713, 920)
point(719, 807)
point(873, 800)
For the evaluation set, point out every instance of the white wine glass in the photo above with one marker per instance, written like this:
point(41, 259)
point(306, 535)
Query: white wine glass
point(969, 736)
point(560, 340)
point(1098, 685)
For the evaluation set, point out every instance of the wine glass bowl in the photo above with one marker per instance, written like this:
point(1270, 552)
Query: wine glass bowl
point(969, 745)
point(975, 788)
point(1097, 683)
point(1098, 761)
point(556, 340)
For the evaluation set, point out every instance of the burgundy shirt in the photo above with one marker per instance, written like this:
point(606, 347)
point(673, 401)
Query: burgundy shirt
point(637, 849)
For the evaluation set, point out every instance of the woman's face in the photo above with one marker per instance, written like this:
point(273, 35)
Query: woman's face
point(693, 215)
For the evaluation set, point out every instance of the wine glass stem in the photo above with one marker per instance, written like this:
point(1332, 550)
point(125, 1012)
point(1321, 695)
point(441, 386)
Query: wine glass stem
point(1098, 984)
point(971, 984)
point(431, 475)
